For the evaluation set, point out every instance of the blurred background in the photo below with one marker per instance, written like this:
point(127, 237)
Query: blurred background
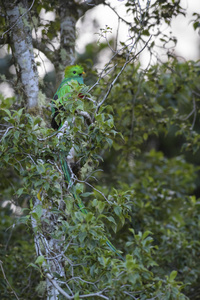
point(90, 39)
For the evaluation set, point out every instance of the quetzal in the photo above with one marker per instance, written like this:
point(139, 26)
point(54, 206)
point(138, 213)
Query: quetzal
point(72, 73)
point(64, 89)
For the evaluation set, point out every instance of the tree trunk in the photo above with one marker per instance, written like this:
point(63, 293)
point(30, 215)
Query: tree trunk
point(48, 248)
point(68, 18)
point(21, 43)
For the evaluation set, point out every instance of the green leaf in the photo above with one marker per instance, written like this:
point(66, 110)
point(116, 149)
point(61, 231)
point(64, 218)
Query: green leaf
point(109, 141)
point(118, 210)
point(82, 236)
point(16, 135)
point(172, 275)
point(40, 259)
point(37, 211)
point(130, 264)
point(34, 266)
point(79, 187)
point(89, 217)
point(76, 296)
point(145, 136)
point(87, 194)
point(20, 191)
point(7, 112)
point(145, 234)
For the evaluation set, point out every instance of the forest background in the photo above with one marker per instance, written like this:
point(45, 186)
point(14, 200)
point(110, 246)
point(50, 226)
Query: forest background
point(139, 178)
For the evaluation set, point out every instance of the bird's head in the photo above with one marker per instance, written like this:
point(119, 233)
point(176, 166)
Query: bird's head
point(74, 71)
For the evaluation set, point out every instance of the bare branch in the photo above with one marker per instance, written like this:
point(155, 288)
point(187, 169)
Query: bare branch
point(56, 285)
point(98, 294)
point(119, 17)
point(6, 132)
point(194, 111)
point(67, 296)
point(118, 75)
point(102, 194)
point(41, 46)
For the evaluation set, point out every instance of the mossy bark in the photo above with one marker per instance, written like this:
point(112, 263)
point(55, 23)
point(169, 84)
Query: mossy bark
point(20, 39)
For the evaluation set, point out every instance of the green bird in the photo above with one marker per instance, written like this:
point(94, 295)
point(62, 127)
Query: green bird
point(64, 89)
point(62, 94)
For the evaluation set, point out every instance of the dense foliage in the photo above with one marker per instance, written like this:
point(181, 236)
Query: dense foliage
point(139, 180)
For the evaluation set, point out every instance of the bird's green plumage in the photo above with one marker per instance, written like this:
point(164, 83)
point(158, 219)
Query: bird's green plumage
point(71, 73)
point(62, 94)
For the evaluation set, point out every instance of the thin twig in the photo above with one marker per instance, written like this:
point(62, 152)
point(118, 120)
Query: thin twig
point(99, 294)
point(4, 275)
point(6, 132)
point(79, 278)
point(56, 285)
point(122, 69)
point(195, 114)
point(191, 113)
point(47, 137)
point(94, 189)
point(119, 17)
point(102, 76)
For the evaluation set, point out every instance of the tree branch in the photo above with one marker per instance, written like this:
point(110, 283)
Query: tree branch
point(44, 49)
point(87, 5)
point(4, 275)
point(128, 60)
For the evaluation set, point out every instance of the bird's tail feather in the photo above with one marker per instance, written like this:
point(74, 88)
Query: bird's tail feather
point(68, 179)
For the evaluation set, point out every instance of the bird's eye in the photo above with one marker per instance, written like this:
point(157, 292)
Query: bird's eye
point(74, 72)
point(80, 74)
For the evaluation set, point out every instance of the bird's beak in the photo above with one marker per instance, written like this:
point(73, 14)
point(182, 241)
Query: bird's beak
point(83, 73)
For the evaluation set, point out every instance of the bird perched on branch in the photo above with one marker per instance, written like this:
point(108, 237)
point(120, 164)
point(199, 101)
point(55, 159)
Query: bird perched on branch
point(63, 93)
